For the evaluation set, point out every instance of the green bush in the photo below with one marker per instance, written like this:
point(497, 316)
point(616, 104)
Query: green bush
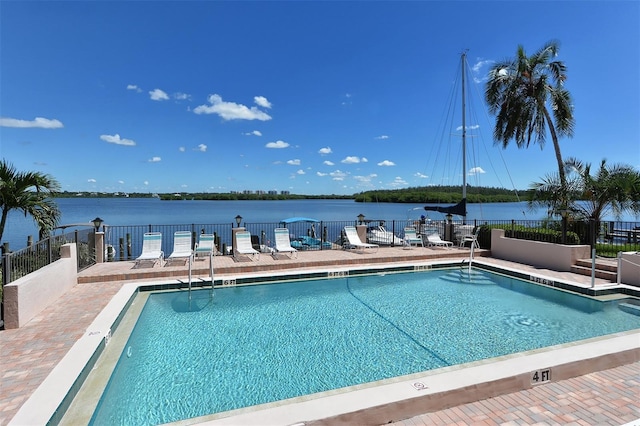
point(548, 232)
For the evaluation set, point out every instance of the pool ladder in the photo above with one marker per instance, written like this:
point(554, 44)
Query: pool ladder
point(473, 246)
point(210, 274)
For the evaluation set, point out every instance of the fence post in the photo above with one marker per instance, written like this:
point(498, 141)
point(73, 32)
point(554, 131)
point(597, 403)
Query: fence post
point(121, 247)
point(128, 246)
point(6, 266)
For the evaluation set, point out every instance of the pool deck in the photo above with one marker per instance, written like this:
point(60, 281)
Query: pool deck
point(29, 354)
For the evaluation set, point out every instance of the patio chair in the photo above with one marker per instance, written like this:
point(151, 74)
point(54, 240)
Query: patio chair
point(434, 240)
point(151, 249)
point(354, 241)
point(205, 245)
point(283, 243)
point(471, 238)
point(243, 246)
point(181, 246)
point(411, 237)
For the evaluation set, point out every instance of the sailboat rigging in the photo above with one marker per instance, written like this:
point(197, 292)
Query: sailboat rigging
point(459, 209)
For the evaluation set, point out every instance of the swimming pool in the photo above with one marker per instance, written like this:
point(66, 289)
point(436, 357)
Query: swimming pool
point(255, 344)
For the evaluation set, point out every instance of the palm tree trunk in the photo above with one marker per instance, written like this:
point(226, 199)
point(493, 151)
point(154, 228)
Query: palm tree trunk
point(563, 178)
point(556, 147)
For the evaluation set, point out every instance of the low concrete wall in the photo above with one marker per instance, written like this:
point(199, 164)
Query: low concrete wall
point(630, 268)
point(28, 296)
point(558, 257)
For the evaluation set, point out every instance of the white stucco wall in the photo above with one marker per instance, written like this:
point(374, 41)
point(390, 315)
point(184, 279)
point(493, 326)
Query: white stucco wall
point(630, 268)
point(28, 296)
point(558, 257)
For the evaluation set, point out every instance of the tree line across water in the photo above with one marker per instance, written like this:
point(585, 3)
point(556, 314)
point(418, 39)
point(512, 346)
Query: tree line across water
point(431, 194)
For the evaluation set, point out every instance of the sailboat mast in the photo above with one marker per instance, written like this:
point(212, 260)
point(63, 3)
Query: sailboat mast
point(464, 135)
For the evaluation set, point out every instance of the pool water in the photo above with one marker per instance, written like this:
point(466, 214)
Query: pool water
point(250, 345)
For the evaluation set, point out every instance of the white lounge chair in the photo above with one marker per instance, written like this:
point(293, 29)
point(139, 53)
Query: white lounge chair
point(354, 241)
point(411, 237)
point(151, 249)
point(435, 241)
point(181, 246)
point(205, 245)
point(471, 238)
point(243, 246)
point(283, 243)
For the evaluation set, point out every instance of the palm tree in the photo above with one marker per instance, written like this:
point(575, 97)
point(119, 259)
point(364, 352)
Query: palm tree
point(524, 93)
point(29, 192)
point(612, 189)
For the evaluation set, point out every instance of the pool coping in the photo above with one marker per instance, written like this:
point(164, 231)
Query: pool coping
point(51, 399)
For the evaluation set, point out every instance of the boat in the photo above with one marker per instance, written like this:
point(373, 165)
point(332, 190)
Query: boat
point(378, 234)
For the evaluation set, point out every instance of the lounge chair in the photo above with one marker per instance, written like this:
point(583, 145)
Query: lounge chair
point(243, 246)
point(151, 249)
point(411, 238)
point(471, 238)
point(354, 241)
point(205, 245)
point(434, 240)
point(283, 243)
point(181, 246)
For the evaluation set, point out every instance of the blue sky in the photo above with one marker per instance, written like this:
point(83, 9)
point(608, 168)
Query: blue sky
point(308, 97)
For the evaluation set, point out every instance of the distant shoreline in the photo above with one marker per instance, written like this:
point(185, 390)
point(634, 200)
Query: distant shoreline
point(441, 195)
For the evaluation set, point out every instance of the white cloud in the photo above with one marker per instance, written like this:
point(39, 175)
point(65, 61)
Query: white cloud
point(262, 101)
point(182, 149)
point(202, 148)
point(321, 174)
point(295, 162)
point(478, 74)
point(325, 151)
point(254, 133)
point(398, 181)
point(475, 126)
point(476, 171)
point(120, 182)
point(158, 95)
point(38, 122)
point(352, 160)
point(91, 180)
point(231, 110)
point(382, 137)
point(181, 96)
point(155, 159)
point(300, 172)
point(328, 163)
point(386, 163)
point(277, 144)
point(338, 175)
point(365, 179)
point(134, 87)
point(420, 175)
point(116, 139)
point(146, 182)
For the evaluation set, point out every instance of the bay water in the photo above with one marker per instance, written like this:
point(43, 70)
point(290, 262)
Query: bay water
point(146, 211)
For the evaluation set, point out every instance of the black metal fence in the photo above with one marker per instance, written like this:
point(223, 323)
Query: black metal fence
point(19, 263)
point(16, 264)
point(125, 242)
